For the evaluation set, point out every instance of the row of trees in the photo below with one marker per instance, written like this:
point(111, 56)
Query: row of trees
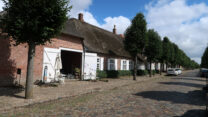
point(139, 40)
point(204, 62)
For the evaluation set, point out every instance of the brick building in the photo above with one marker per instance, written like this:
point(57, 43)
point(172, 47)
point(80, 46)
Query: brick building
point(80, 45)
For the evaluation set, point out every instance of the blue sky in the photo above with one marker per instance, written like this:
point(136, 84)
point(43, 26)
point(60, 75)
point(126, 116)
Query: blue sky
point(127, 8)
point(185, 22)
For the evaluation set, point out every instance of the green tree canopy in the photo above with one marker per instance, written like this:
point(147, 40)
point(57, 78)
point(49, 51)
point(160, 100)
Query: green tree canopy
point(166, 50)
point(204, 61)
point(135, 38)
point(34, 22)
point(135, 35)
point(153, 49)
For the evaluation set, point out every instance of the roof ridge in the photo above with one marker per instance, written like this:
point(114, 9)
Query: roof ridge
point(95, 27)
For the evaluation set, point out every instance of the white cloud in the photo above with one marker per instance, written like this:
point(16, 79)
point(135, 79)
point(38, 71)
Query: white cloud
point(1, 5)
point(80, 6)
point(186, 25)
point(121, 23)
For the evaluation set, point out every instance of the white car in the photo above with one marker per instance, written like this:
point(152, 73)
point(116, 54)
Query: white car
point(172, 71)
point(179, 70)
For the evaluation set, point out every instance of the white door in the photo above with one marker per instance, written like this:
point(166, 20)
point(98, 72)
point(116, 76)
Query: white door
point(49, 58)
point(90, 66)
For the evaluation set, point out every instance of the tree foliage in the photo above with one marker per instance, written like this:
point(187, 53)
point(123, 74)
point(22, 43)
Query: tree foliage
point(204, 62)
point(166, 50)
point(34, 21)
point(135, 35)
point(135, 38)
point(153, 49)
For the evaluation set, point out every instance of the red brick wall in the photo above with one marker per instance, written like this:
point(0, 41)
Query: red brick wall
point(13, 57)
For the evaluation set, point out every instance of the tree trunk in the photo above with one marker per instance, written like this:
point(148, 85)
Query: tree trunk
point(29, 79)
point(161, 64)
point(166, 66)
point(150, 68)
point(135, 68)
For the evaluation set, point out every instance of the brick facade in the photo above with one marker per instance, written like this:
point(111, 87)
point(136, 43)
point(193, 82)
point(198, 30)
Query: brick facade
point(14, 57)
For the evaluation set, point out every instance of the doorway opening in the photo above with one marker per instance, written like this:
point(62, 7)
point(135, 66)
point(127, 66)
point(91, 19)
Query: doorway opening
point(71, 61)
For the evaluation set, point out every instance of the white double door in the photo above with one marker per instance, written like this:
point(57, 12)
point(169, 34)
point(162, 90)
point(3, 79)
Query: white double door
point(89, 64)
point(49, 61)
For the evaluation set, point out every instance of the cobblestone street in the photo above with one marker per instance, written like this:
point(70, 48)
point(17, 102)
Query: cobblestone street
point(180, 96)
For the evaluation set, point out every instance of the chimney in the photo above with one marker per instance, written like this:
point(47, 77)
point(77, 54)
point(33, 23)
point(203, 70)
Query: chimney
point(122, 36)
point(114, 30)
point(81, 17)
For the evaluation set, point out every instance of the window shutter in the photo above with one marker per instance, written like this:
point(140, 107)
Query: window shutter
point(101, 63)
point(127, 65)
point(116, 64)
point(121, 64)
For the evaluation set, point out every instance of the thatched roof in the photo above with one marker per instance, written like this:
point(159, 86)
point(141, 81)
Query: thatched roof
point(96, 39)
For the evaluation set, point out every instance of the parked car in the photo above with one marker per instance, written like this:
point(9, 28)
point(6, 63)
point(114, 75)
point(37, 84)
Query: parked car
point(172, 71)
point(179, 71)
point(203, 72)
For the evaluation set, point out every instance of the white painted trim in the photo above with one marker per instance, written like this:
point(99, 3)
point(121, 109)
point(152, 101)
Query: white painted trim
point(43, 66)
point(72, 50)
point(102, 63)
point(127, 64)
point(59, 49)
point(116, 64)
point(121, 64)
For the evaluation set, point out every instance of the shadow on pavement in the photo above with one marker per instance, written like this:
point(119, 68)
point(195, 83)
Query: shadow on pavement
point(183, 84)
point(189, 78)
point(195, 113)
point(11, 91)
point(196, 97)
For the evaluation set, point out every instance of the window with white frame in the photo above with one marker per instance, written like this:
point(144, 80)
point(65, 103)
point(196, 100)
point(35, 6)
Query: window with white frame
point(124, 65)
point(98, 63)
point(111, 64)
point(131, 65)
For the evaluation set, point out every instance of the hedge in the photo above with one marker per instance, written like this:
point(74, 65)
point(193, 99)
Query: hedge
point(113, 73)
point(142, 72)
point(119, 73)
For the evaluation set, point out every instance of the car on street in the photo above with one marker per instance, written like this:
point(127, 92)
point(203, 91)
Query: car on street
point(203, 72)
point(172, 71)
point(178, 70)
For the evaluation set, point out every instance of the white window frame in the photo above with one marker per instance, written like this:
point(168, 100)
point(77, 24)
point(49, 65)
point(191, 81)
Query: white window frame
point(113, 64)
point(124, 65)
point(131, 65)
point(98, 63)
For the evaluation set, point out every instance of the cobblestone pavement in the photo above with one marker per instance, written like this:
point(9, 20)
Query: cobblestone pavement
point(180, 96)
point(11, 97)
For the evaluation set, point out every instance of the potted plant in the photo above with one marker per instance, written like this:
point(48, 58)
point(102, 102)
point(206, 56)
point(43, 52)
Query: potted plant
point(77, 73)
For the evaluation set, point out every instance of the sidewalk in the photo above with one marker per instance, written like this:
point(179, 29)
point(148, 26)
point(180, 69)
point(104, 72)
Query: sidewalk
point(13, 98)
